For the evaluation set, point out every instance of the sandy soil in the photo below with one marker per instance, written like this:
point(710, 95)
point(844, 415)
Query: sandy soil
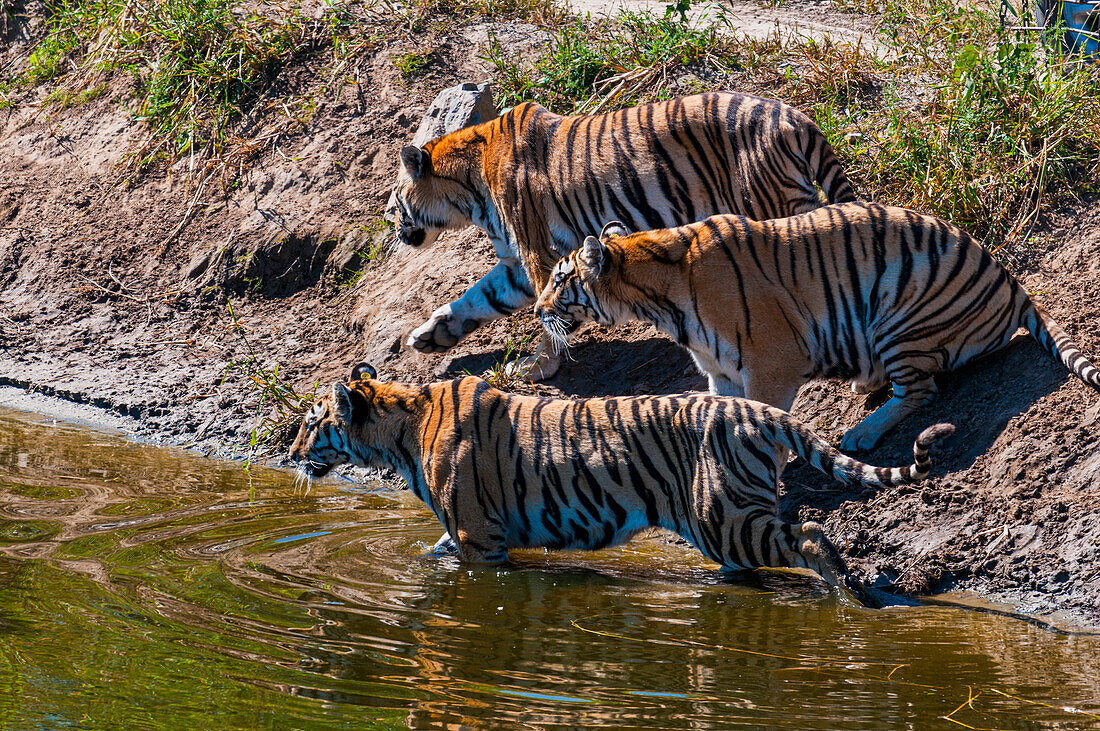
point(806, 18)
point(107, 301)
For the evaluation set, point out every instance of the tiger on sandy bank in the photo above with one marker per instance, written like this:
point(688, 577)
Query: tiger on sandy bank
point(504, 471)
point(538, 183)
point(868, 293)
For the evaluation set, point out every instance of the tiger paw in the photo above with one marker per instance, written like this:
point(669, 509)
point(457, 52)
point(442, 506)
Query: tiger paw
point(445, 546)
point(863, 388)
point(860, 440)
point(441, 332)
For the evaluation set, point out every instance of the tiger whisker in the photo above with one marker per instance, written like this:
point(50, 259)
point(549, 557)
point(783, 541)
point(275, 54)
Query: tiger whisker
point(556, 330)
point(303, 478)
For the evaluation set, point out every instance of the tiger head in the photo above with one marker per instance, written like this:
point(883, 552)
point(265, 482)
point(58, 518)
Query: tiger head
point(571, 296)
point(352, 423)
point(427, 200)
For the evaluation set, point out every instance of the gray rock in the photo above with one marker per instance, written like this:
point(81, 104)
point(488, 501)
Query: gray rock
point(455, 108)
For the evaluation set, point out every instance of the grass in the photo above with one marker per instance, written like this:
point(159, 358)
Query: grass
point(379, 243)
point(1008, 131)
point(412, 64)
point(203, 72)
point(197, 65)
point(640, 56)
point(611, 62)
point(506, 374)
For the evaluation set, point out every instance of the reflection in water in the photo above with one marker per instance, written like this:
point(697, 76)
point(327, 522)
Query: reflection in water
point(145, 587)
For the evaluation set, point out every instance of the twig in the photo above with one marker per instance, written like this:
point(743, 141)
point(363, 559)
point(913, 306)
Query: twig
point(186, 217)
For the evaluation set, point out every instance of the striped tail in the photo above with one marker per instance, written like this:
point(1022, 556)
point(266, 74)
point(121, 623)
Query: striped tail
point(1052, 337)
point(825, 458)
point(828, 171)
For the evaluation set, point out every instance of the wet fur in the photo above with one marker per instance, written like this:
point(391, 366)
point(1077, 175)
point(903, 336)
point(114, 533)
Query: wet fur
point(504, 471)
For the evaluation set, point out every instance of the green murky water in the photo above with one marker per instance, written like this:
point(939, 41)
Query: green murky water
point(145, 588)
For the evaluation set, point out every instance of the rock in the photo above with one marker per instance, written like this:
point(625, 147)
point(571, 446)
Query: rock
point(199, 264)
point(453, 109)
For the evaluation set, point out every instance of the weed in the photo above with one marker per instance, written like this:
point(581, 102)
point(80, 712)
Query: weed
point(279, 408)
point(508, 372)
point(412, 64)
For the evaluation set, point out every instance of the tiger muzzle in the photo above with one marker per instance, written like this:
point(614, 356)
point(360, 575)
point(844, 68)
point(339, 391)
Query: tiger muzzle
point(411, 236)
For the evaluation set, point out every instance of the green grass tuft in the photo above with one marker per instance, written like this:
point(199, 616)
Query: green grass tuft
point(612, 62)
point(412, 64)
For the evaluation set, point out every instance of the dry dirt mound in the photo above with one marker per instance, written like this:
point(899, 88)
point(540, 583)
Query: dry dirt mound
point(105, 299)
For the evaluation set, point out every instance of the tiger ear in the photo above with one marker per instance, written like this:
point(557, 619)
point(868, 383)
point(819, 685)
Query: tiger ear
point(351, 405)
point(592, 254)
point(614, 228)
point(362, 372)
point(341, 399)
point(417, 161)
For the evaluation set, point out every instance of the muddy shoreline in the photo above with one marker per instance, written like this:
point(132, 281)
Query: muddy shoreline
point(157, 304)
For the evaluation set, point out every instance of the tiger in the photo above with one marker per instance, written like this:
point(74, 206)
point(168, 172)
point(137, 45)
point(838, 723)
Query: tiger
point(537, 183)
point(867, 293)
point(502, 471)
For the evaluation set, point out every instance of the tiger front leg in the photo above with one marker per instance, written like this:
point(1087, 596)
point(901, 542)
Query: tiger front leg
point(499, 293)
point(445, 546)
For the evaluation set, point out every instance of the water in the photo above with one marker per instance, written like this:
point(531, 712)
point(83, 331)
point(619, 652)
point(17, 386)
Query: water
point(148, 588)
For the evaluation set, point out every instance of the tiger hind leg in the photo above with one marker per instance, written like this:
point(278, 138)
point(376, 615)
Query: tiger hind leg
point(774, 543)
point(744, 532)
point(778, 390)
point(907, 398)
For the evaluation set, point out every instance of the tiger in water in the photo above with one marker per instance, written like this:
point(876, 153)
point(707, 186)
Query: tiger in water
point(538, 183)
point(506, 471)
point(868, 293)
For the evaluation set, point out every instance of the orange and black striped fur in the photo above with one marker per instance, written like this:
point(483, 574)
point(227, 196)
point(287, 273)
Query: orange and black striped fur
point(504, 471)
point(867, 293)
point(538, 183)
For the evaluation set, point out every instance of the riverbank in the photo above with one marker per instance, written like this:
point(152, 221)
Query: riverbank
point(198, 308)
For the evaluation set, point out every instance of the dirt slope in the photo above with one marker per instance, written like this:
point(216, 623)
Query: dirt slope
point(106, 299)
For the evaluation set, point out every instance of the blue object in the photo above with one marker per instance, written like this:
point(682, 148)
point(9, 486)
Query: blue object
point(1082, 27)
